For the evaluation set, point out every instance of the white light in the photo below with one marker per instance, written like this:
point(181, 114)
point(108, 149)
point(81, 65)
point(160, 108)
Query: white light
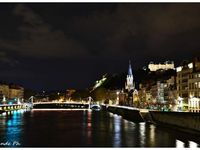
point(192, 144)
point(178, 69)
point(179, 144)
point(142, 133)
point(152, 134)
point(60, 109)
point(190, 65)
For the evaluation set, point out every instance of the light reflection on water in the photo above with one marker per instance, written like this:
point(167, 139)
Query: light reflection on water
point(12, 127)
point(152, 135)
point(85, 129)
point(142, 133)
point(117, 131)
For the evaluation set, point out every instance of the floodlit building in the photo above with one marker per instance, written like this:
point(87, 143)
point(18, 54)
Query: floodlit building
point(122, 98)
point(16, 92)
point(157, 92)
point(194, 92)
point(162, 92)
point(4, 91)
point(11, 94)
point(188, 84)
point(129, 85)
point(167, 65)
point(170, 90)
point(194, 84)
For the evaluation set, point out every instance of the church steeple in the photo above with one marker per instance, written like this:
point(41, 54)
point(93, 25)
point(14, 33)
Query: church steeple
point(129, 85)
point(130, 69)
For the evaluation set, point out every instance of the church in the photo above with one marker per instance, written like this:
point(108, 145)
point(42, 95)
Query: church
point(132, 92)
point(129, 85)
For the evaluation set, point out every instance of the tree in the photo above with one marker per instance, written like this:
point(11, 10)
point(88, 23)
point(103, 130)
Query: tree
point(99, 94)
point(80, 94)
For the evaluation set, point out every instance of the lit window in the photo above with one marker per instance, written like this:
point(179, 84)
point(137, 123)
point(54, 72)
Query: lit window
point(199, 85)
point(196, 85)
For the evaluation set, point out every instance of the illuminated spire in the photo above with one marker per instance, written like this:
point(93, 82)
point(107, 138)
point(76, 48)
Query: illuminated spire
point(130, 69)
point(129, 85)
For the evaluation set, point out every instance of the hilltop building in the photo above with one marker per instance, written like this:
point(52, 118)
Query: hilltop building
point(167, 65)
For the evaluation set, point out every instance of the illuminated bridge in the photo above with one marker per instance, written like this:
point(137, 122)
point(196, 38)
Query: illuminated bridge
point(60, 105)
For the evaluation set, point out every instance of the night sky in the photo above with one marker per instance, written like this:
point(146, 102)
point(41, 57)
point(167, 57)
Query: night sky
point(65, 45)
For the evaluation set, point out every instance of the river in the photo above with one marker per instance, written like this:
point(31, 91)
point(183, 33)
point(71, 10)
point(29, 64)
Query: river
point(84, 128)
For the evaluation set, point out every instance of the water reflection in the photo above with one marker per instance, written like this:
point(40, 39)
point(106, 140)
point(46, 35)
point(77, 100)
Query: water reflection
point(152, 135)
point(142, 133)
point(86, 129)
point(89, 127)
point(12, 128)
point(117, 131)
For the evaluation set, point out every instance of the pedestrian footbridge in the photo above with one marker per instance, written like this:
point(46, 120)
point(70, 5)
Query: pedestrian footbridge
point(60, 105)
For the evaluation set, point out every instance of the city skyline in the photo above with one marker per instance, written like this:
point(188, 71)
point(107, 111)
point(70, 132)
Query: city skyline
point(52, 46)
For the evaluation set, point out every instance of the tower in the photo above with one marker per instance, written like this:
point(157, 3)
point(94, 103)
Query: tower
point(129, 85)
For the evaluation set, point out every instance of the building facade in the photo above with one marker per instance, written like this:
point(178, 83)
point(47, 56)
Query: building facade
point(4, 91)
point(160, 92)
point(16, 92)
point(188, 84)
point(157, 92)
point(11, 94)
point(194, 92)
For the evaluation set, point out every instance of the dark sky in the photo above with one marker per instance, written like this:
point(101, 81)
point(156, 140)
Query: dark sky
point(66, 45)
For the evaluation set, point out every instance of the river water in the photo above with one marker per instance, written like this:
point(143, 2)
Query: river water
point(84, 128)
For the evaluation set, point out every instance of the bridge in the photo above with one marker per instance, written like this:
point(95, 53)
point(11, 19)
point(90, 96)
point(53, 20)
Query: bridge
point(60, 105)
point(33, 103)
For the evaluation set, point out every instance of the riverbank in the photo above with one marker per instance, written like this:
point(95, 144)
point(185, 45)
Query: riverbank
point(182, 121)
point(129, 113)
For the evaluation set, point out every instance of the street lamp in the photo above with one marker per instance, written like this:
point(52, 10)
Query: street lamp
point(58, 98)
point(4, 99)
point(18, 101)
